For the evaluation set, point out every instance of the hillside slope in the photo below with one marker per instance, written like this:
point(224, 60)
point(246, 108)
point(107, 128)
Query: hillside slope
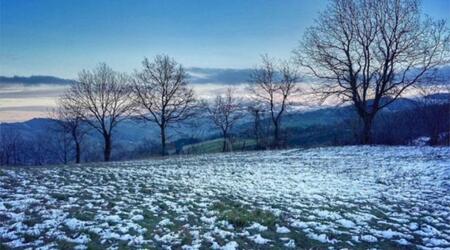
point(344, 197)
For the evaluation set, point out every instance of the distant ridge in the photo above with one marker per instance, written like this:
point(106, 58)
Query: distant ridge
point(35, 80)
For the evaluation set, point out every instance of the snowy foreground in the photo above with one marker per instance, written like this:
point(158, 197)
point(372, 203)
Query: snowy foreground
point(352, 197)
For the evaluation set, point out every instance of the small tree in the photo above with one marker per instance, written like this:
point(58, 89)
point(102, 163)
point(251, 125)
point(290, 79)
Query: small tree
point(256, 111)
point(60, 144)
point(70, 122)
point(102, 97)
point(370, 52)
point(11, 146)
point(261, 125)
point(45, 149)
point(434, 110)
point(224, 112)
point(272, 85)
point(162, 94)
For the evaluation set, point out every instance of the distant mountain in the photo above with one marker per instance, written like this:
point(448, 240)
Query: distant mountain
point(439, 96)
point(130, 133)
point(133, 138)
point(442, 75)
point(134, 131)
point(34, 80)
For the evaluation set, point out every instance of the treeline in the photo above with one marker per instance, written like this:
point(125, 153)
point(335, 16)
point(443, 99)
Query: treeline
point(159, 93)
point(362, 52)
point(422, 122)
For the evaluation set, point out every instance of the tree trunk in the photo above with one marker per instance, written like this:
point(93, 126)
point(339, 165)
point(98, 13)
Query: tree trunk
point(224, 146)
point(77, 152)
point(257, 128)
point(434, 135)
point(65, 155)
point(163, 141)
point(108, 147)
point(276, 140)
point(367, 130)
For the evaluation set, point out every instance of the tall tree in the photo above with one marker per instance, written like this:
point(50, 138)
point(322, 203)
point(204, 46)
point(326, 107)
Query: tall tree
point(70, 122)
point(272, 84)
point(370, 52)
point(162, 94)
point(103, 98)
point(224, 112)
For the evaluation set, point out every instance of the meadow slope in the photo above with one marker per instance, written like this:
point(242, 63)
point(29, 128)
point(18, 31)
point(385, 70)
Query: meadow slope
point(353, 197)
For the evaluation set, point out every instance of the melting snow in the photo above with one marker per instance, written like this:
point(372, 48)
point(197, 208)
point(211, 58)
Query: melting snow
point(343, 197)
point(258, 239)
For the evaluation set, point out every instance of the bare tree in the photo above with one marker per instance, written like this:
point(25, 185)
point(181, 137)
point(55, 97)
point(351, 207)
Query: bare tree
point(224, 112)
point(272, 85)
point(162, 94)
point(70, 122)
point(11, 146)
point(261, 126)
point(433, 105)
point(103, 100)
point(60, 143)
point(370, 52)
point(255, 111)
point(44, 149)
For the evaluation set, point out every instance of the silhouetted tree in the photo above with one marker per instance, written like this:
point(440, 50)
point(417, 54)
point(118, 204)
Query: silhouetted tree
point(434, 110)
point(370, 52)
point(260, 129)
point(61, 145)
point(162, 94)
point(272, 85)
point(44, 149)
point(69, 118)
point(103, 98)
point(11, 146)
point(224, 112)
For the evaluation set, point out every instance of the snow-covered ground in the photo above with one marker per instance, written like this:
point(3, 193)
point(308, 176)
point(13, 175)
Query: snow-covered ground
point(353, 197)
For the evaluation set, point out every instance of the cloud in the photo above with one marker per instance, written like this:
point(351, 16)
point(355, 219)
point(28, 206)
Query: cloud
point(20, 102)
point(30, 108)
point(197, 75)
point(219, 76)
point(20, 91)
point(34, 80)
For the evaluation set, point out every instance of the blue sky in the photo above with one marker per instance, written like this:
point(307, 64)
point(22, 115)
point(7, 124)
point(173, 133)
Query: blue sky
point(61, 37)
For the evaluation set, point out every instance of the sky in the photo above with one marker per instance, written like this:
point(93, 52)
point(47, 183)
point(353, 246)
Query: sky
point(54, 37)
point(62, 37)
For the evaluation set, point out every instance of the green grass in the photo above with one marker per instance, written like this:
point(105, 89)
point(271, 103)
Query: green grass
point(31, 221)
point(240, 215)
point(62, 244)
point(215, 146)
point(60, 197)
point(94, 243)
point(3, 247)
point(30, 238)
point(149, 222)
point(84, 216)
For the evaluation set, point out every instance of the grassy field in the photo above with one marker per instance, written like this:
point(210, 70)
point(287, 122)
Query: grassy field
point(347, 197)
point(216, 145)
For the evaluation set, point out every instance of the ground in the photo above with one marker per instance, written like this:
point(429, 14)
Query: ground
point(345, 197)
